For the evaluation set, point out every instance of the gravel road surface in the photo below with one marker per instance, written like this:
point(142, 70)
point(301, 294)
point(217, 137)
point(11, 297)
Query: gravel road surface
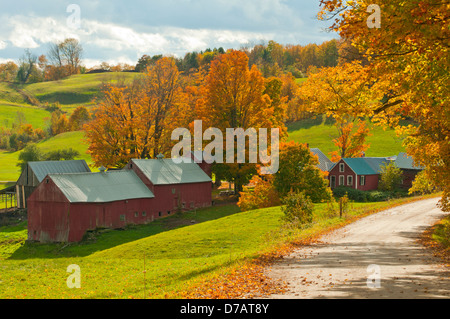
point(375, 257)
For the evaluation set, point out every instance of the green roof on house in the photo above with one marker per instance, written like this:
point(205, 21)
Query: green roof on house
point(165, 171)
point(101, 187)
point(404, 161)
point(366, 165)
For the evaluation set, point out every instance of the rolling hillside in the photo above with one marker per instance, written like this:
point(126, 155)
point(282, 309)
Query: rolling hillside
point(320, 134)
point(81, 89)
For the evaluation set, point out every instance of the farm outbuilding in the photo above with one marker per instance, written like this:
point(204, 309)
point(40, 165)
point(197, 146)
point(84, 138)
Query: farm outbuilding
point(409, 169)
point(35, 172)
point(64, 206)
point(183, 186)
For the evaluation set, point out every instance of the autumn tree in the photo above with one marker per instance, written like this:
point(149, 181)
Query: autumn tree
point(350, 142)
point(66, 57)
point(234, 97)
point(8, 71)
point(78, 118)
point(298, 173)
point(262, 195)
point(344, 93)
point(136, 121)
point(409, 62)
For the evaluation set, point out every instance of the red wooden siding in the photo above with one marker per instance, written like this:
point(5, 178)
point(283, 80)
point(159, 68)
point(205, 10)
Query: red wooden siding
point(371, 181)
point(52, 218)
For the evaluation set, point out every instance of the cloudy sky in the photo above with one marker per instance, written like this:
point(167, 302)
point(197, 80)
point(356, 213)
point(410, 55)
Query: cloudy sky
point(122, 31)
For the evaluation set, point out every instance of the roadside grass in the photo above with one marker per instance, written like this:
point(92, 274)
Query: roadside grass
point(319, 133)
point(169, 258)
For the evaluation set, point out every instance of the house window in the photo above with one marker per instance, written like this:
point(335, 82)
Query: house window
point(136, 214)
point(333, 181)
point(341, 180)
point(144, 214)
point(122, 218)
point(362, 180)
point(159, 214)
point(349, 180)
point(341, 167)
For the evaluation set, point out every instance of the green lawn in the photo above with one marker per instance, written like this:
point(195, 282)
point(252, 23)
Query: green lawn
point(112, 264)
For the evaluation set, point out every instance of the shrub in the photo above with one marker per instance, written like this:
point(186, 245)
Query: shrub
point(298, 209)
point(391, 177)
point(263, 195)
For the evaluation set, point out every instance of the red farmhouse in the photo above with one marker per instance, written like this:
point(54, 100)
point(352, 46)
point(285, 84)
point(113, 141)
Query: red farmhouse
point(359, 173)
point(64, 206)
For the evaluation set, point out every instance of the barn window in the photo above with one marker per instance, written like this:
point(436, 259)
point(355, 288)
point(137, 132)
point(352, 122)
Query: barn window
point(341, 167)
point(47, 180)
point(341, 180)
point(183, 205)
point(159, 214)
point(174, 190)
point(192, 204)
point(362, 180)
point(168, 212)
point(144, 214)
point(349, 180)
point(122, 218)
point(136, 214)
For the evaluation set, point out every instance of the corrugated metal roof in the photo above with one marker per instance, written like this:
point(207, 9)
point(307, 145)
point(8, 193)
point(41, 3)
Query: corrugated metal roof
point(366, 165)
point(101, 187)
point(42, 169)
point(404, 161)
point(166, 171)
point(325, 164)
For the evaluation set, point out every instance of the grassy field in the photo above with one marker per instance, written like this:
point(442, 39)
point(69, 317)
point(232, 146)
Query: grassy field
point(320, 134)
point(76, 90)
point(176, 256)
point(74, 140)
point(32, 115)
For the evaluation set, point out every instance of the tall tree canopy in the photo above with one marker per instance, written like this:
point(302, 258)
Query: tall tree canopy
point(235, 96)
point(409, 63)
point(137, 121)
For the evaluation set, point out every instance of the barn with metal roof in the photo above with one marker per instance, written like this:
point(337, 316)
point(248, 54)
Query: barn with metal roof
point(64, 206)
point(183, 186)
point(35, 172)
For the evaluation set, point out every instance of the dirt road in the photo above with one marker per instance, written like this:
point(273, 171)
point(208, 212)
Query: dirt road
point(375, 257)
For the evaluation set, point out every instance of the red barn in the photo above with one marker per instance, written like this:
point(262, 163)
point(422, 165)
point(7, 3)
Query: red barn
point(409, 169)
point(64, 206)
point(183, 186)
point(361, 173)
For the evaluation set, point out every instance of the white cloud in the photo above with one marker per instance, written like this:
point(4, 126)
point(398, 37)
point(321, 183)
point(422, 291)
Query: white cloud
point(2, 45)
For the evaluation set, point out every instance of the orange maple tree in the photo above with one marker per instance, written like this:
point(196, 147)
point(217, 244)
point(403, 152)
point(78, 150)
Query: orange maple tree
point(137, 121)
point(234, 96)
